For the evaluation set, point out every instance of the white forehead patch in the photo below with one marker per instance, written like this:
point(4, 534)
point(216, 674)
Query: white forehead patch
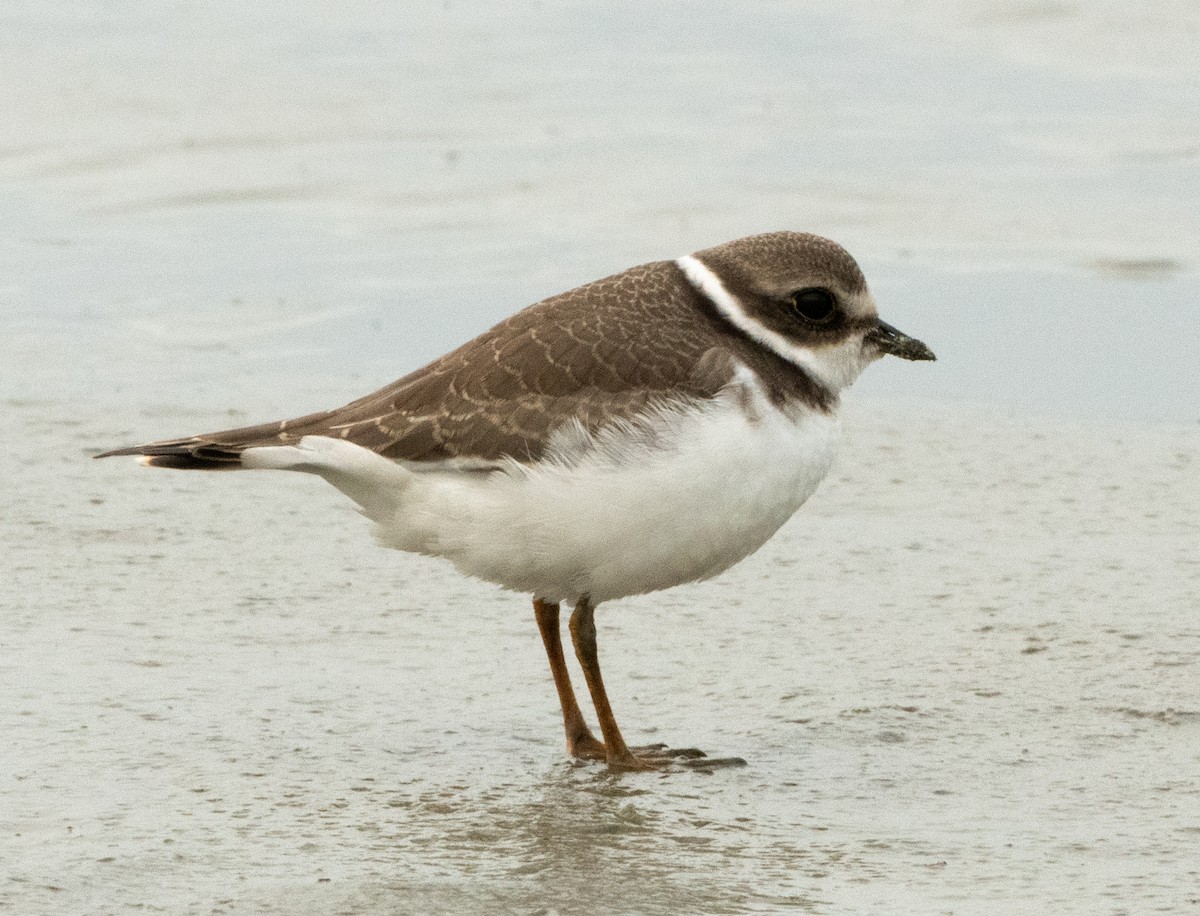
point(836, 366)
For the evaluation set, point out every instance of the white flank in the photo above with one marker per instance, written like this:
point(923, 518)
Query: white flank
point(679, 495)
point(836, 367)
point(367, 478)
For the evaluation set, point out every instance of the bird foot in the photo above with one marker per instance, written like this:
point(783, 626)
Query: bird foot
point(649, 756)
point(661, 750)
point(660, 757)
point(586, 747)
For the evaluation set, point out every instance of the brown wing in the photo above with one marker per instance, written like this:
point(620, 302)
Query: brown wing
point(600, 353)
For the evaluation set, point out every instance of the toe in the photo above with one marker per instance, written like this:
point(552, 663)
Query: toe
point(710, 763)
point(676, 752)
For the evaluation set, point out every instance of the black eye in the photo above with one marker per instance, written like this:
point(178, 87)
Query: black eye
point(814, 304)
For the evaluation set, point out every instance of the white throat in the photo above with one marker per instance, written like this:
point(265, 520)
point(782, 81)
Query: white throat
point(836, 366)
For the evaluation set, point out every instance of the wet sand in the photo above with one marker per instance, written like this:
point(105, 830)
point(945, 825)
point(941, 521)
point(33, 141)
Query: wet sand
point(963, 677)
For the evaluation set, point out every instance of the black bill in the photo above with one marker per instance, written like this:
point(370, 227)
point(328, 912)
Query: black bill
point(897, 343)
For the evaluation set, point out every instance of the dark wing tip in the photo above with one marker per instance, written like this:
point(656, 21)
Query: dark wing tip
point(169, 447)
point(118, 452)
point(183, 455)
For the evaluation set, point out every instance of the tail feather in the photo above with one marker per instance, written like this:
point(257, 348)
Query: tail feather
point(376, 483)
point(192, 462)
point(220, 451)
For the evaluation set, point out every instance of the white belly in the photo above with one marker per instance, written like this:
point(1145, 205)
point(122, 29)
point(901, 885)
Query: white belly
point(627, 513)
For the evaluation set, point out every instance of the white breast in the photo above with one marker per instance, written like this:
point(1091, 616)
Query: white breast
point(679, 496)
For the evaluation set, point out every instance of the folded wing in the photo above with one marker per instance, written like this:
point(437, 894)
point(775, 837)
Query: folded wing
point(585, 355)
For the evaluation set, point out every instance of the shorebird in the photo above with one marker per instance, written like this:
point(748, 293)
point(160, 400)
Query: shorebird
point(642, 431)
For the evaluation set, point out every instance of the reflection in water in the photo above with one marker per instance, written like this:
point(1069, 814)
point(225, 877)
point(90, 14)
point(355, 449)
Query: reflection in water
point(579, 840)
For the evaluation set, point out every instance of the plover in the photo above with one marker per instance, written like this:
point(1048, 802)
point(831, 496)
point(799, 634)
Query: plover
point(639, 432)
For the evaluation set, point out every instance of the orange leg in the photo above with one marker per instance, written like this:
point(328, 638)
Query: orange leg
point(583, 634)
point(580, 740)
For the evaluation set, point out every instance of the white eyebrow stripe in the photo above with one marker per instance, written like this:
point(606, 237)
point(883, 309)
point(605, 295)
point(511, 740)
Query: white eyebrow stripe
point(710, 286)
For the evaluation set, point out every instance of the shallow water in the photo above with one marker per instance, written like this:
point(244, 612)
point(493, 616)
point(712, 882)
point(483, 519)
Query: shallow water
point(964, 677)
